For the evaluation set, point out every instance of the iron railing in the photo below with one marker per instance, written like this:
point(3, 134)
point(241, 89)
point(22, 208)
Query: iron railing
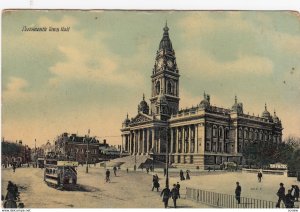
point(227, 200)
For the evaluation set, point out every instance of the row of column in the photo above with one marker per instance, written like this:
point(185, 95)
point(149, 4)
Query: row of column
point(140, 141)
point(184, 139)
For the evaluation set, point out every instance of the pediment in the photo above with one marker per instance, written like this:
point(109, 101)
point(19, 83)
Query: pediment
point(141, 118)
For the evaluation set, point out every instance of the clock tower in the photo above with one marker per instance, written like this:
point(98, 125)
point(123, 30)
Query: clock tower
point(165, 79)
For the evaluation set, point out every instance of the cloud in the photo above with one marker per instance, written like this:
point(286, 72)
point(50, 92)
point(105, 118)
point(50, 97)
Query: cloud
point(14, 90)
point(244, 65)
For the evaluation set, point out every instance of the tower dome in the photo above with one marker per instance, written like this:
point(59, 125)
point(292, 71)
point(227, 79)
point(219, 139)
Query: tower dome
point(143, 106)
point(205, 103)
point(126, 122)
point(266, 114)
point(275, 118)
point(237, 107)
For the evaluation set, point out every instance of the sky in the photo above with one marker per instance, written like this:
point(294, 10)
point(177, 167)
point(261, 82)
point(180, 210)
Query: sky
point(93, 75)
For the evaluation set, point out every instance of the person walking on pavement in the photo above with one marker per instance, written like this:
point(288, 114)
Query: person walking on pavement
point(107, 174)
point(181, 175)
point(115, 171)
point(187, 175)
point(281, 195)
point(14, 167)
point(178, 189)
point(165, 193)
point(175, 194)
point(289, 200)
point(238, 191)
point(147, 170)
point(259, 176)
point(296, 192)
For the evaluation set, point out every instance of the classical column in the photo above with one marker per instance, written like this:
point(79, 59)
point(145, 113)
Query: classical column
point(152, 139)
point(177, 139)
point(189, 139)
point(196, 148)
point(148, 140)
point(122, 143)
point(183, 140)
point(137, 142)
point(142, 141)
point(171, 143)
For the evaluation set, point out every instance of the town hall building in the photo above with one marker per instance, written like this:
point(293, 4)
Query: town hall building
point(194, 137)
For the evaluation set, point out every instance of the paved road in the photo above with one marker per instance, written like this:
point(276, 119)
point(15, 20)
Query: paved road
point(127, 190)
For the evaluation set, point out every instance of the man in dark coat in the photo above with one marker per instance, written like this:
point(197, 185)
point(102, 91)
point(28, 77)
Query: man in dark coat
point(107, 174)
point(181, 175)
point(115, 171)
point(281, 195)
point(175, 194)
point(259, 176)
point(289, 200)
point(178, 189)
point(238, 191)
point(165, 193)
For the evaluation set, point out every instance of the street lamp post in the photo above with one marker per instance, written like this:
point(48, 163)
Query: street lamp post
point(87, 153)
point(167, 158)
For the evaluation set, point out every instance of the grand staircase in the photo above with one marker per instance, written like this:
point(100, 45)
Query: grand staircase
point(138, 160)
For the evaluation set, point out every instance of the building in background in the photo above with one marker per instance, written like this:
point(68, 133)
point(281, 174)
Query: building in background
point(75, 147)
point(15, 152)
point(199, 136)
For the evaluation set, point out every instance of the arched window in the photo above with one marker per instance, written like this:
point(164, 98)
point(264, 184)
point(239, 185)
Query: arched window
point(170, 87)
point(246, 133)
point(260, 135)
point(221, 132)
point(157, 87)
point(240, 133)
point(251, 134)
point(226, 133)
point(214, 131)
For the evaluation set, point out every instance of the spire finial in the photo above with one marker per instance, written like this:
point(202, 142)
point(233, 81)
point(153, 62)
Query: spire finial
point(166, 28)
point(143, 96)
point(274, 112)
point(265, 106)
point(235, 99)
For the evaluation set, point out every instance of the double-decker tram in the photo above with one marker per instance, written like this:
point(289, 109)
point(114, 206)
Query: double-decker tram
point(60, 173)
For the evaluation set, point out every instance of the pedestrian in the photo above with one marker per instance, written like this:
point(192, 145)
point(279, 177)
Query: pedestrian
point(165, 171)
point(175, 194)
point(155, 182)
point(14, 167)
point(238, 191)
point(187, 175)
point(127, 169)
point(115, 171)
point(147, 170)
point(209, 169)
point(281, 195)
point(289, 200)
point(296, 192)
point(259, 176)
point(134, 167)
point(165, 193)
point(2, 201)
point(178, 189)
point(107, 174)
point(181, 175)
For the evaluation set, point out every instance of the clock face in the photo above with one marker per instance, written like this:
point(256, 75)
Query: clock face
point(160, 63)
point(170, 63)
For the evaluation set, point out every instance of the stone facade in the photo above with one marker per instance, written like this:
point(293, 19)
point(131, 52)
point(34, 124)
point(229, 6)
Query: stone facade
point(194, 137)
